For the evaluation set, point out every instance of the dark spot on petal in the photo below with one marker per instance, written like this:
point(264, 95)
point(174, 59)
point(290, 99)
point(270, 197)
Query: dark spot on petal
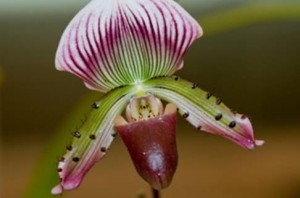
point(61, 179)
point(218, 101)
point(218, 116)
point(84, 119)
point(69, 148)
point(92, 136)
point(59, 169)
point(199, 128)
point(76, 134)
point(114, 135)
point(75, 159)
point(185, 115)
point(194, 85)
point(95, 106)
point(232, 124)
point(176, 78)
point(208, 95)
point(244, 116)
point(61, 159)
point(103, 149)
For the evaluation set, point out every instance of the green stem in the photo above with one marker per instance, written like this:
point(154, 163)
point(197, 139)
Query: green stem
point(248, 14)
point(155, 193)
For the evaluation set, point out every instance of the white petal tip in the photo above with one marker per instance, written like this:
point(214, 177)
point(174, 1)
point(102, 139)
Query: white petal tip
point(57, 190)
point(259, 142)
point(58, 65)
point(59, 68)
point(201, 33)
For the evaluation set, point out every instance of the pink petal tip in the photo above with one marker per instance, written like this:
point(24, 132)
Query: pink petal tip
point(57, 190)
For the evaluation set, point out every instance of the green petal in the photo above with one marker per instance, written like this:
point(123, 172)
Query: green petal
point(203, 110)
point(92, 139)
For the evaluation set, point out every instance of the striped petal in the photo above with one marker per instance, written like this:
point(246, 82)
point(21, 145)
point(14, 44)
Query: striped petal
point(119, 42)
point(91, 140)
point(203, 110)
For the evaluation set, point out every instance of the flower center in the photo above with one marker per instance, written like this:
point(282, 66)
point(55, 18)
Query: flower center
point(143, 107)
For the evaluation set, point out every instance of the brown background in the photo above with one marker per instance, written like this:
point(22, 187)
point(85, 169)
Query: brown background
point(255, 69)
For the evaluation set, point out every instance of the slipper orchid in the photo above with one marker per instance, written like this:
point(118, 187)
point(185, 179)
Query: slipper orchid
point(129, 50)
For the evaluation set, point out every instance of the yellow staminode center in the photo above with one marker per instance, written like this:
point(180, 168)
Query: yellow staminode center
point(143, 107)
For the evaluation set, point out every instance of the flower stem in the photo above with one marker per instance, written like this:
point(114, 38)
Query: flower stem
point(155, 193)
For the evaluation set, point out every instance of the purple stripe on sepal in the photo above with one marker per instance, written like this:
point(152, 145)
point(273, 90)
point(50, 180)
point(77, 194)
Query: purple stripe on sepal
point(113, 43)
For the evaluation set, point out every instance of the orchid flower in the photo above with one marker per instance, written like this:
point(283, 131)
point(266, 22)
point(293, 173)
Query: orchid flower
point(129, 50)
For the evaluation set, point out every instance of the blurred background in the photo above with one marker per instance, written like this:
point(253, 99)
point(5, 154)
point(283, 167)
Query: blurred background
point(249, 55)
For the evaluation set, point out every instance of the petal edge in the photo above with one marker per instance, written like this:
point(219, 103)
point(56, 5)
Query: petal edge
point(92, 140)
point(203, 110)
